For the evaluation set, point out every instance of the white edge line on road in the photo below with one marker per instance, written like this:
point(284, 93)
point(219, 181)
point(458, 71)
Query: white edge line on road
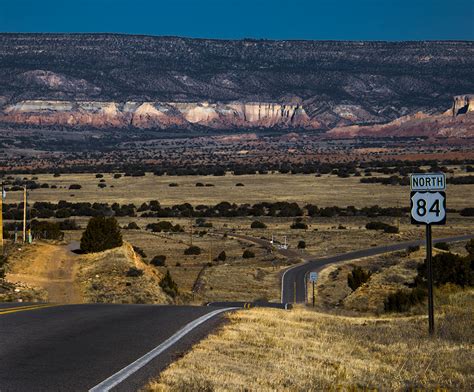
point(127, 371)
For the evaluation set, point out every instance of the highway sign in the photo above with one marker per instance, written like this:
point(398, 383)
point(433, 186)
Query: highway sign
point(313, 276)
point(428, 182)
point(428, 208)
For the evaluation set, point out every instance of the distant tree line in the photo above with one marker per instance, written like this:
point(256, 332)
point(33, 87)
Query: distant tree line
point(153, 209)
point(342, 169)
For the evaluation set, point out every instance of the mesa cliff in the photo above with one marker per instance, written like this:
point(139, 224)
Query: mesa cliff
point(123, 81)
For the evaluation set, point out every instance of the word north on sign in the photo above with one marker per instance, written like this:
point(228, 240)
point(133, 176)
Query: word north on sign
point(428, 199)
point(428, 182)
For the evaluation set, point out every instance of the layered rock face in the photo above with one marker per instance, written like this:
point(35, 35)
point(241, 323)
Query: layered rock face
point(156, 114)
point(105, 80)
point(462, 104)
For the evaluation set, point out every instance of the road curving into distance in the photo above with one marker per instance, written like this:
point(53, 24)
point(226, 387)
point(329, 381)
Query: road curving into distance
point(95, 347)
point(294, 279)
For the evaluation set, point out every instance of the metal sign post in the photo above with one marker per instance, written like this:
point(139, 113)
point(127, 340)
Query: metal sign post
point(428, 207)
point(313, 276)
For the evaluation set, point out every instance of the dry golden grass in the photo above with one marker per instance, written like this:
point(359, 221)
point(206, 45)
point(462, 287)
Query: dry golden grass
point(301, 350)
point(322, 191)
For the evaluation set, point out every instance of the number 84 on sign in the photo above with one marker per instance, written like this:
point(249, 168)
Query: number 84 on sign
point(428, 208)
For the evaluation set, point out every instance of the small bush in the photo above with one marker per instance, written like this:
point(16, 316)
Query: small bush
point(193, 250)
point(470, 247)
point(173, 184)
point(101, 233)
point(117, 175)
point(168, 285)
point(133, 226)
point(139, 251)
point(301, 244)
point(403, 300)
point(68, 224)
point(46, 230)
point(381, 226)
point(442, 245)
point(248, 254)
point(99, 176)
point(222, 256)
point(134, 272)
point(413, 248)
point(199, 184)
point(448, 268)
point(158, 261)
point(357, 277)
point(101, 185)
point(239, 184)
point(258, 225)
point(75, 186)
point(299, 226)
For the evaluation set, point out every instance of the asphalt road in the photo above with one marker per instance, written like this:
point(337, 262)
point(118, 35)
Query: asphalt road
point(76, 347)
point(293, 281)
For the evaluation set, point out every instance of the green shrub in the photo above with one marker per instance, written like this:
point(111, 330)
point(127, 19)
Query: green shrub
point(299, 226)
point(46, 230)
point(158, 261)
point(101, 233)
point(133, 226)
point(258, 225)
point(447, 268)
point(441, 245)
point(381, 226)
point(193, 250)
point(413, 248)
point(357, 277)
point(470, 247)
point(164, 226)
point(139, 251)
point(75, 186)
point(248, 254)
point(222, 256)
point(134, 272)
point(168, 285)
point(301, 244)
point(403, 300)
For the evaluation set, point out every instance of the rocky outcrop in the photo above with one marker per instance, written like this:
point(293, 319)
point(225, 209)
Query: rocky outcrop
point(419, 124)
point(462, 104)
point(157, 114)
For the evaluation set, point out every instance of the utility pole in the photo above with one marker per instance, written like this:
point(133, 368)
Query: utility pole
point(24, 214)
point(191, 230)
point(1, 222)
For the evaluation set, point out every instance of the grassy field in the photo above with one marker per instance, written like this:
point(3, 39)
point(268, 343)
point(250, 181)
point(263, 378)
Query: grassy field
point(323, 191)
point(303, 350)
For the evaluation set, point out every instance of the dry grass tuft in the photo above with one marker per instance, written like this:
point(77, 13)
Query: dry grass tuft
point(301, 350)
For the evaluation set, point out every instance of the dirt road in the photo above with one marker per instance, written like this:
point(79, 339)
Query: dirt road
point(51, 267)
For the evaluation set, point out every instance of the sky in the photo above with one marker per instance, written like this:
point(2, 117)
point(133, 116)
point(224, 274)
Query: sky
point(386, 20)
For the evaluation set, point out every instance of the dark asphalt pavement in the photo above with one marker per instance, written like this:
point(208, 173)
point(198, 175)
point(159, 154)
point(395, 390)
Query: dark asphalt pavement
point(293, 287)
point(75, 347)
point(293, 280)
